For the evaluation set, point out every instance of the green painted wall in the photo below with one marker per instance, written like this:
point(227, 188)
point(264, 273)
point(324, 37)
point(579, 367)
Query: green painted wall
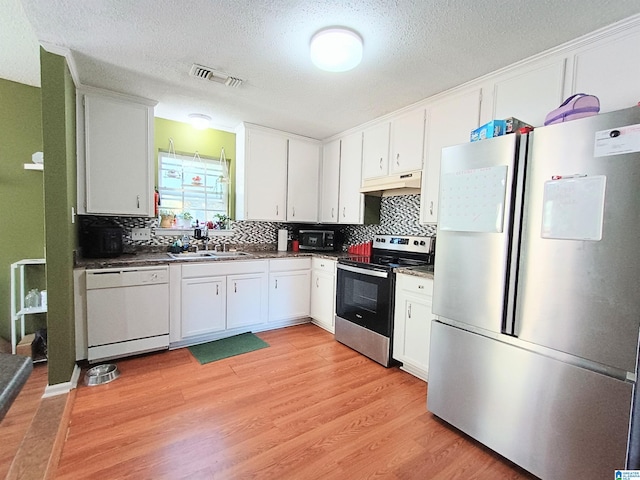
point(59, 141)
point(21, 191)
point(188, 140)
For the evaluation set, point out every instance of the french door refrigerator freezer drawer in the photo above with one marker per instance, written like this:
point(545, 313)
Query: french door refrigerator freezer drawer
point(536, 411)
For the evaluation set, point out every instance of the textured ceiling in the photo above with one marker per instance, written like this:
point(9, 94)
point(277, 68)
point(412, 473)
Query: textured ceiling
point(412, 49)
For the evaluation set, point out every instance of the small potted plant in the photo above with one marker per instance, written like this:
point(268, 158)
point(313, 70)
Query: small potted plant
point(166, 218)
point(222, 221)
point(185, 219)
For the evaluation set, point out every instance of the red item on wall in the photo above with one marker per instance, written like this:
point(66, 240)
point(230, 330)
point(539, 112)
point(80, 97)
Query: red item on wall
point(156, 201)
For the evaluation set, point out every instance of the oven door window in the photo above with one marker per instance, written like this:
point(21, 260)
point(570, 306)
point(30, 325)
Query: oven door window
point(364, 300)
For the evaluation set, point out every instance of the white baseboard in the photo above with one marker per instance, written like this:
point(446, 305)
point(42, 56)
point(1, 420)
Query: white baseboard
point(62, 388)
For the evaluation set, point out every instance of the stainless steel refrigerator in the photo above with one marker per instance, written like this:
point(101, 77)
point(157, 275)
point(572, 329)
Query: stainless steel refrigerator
point(534, 349)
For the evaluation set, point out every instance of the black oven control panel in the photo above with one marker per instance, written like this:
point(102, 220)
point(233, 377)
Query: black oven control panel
point(404, 243)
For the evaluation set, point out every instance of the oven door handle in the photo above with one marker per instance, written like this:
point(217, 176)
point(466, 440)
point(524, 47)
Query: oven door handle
point(364, 271)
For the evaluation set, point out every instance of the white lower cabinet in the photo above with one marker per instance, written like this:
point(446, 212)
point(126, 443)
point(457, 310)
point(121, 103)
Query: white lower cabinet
point(323, 292)
point(216, 298)
point(245, 299)
point(412, 327)
point(203, 305)
point(289, 288)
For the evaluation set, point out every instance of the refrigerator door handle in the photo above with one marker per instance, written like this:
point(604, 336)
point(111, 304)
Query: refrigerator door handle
point(509, 317)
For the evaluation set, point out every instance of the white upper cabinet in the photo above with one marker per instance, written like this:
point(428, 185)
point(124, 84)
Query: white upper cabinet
point(350, 200)
point(449, 122)
point(115, 154)
point(330, 180)
point(303, 180)
point(530, 94)
point(375, 151)
point(407, 141)
point(277, 176)
point(610, 70)
point(261, 180)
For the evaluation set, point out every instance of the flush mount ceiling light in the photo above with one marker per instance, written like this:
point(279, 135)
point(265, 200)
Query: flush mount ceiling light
point(336, 49)
point(199, 121)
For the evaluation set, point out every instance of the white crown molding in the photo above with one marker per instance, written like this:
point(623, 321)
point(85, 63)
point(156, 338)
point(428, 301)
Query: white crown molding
point(66, 387)
point(68, 55)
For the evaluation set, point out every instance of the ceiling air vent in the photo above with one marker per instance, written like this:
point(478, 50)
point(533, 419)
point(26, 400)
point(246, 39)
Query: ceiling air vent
point(210, 74)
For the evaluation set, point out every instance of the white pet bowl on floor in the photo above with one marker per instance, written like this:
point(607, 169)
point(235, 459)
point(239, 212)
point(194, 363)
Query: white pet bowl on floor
point(101, 374)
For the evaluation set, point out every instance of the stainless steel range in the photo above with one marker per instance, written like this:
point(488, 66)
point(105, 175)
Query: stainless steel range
point(366, 289)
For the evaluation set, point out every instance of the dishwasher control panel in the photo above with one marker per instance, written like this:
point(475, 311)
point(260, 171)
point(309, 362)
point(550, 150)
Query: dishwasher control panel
point(126, 277)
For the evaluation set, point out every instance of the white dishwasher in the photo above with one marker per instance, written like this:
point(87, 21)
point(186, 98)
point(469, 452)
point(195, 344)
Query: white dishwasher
point(127, 311)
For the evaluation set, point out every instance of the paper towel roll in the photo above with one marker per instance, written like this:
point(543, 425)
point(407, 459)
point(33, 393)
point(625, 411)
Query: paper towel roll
point(282, 240)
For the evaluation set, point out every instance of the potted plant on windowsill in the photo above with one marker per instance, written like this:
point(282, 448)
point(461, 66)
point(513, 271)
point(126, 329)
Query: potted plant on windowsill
point(185, 220)
point(222, 221)
point(166, 218)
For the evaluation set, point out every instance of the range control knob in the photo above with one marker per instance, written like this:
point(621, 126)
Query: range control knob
point(422, 242)
point(415, 242)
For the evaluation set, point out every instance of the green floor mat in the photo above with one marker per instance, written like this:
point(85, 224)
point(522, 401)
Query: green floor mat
point(227, 347)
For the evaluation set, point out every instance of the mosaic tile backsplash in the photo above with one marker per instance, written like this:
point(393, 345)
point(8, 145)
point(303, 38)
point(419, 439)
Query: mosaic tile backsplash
point(398, 215)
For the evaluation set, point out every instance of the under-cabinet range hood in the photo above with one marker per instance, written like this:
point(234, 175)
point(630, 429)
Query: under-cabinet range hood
point(400, 184)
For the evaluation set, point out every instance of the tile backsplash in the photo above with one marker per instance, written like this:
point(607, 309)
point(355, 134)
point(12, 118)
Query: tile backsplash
point(398, 215)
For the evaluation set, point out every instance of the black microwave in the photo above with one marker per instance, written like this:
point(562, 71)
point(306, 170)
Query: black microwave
point(323, 240)
point(101, 241)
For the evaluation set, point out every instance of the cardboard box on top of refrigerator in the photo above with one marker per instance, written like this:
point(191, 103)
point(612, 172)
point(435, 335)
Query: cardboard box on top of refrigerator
point(494, 128)
point(513, 125)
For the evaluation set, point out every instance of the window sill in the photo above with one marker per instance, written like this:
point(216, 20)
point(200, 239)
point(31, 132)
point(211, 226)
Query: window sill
point(189, 231)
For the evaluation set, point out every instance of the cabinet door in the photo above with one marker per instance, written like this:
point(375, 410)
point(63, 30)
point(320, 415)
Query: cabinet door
point(302, 181)
point(203, 305)
point(289, 295)
point(118, 163)
point(266, 176)
point(604, 69)
point(412, 331)
point(530, 95)
point(375, 151)
point(323, 299)
point(330, 182)
point(350, 200)
point(449, 122)
point(407, 142)
point(246, 303)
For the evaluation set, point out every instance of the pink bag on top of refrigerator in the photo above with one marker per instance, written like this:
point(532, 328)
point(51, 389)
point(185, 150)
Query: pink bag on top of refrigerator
point(576, 106)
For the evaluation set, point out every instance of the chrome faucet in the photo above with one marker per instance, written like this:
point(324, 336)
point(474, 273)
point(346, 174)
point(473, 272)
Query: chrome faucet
point(205, 237)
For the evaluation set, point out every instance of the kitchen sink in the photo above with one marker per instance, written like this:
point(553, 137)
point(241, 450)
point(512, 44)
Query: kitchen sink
point(229, 254)
point(205, 254)
point(208, 254)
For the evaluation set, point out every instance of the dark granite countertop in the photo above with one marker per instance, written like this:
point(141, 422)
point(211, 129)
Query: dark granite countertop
point(14, 372)
point(423, 271)
point(143, 258)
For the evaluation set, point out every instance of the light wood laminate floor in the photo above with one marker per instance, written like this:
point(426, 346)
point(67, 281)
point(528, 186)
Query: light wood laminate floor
point(306, 407)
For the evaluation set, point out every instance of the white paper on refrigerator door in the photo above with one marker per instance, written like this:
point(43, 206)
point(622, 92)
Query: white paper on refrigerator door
point(473, 200)
point(573, 208)
point(617, 141)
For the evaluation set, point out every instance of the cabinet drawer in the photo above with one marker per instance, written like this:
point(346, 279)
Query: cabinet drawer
point(323, 265)
point(414, 284)
point(214, 268)
point(289, 264)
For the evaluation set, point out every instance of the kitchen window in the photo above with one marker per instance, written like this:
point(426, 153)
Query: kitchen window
point(195, 185)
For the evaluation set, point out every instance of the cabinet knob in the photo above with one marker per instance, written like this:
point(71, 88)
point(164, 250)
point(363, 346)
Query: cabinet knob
point(409, 311)
point(138, 200)
point(276, 283)
point(380, 163)
point(344, 212)
point(317, 280)
point(398, 159)
point(217, 289)
point(235, 287)
point(277, 213)
point(431, 208)
point(332, 211)
point(294, 211)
